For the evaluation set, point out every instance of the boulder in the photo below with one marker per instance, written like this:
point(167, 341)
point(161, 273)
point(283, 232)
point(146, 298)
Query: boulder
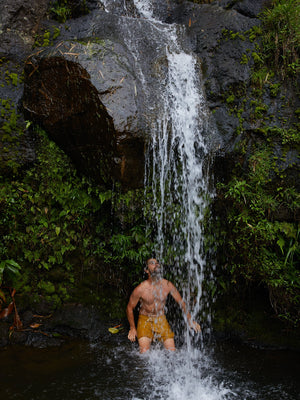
point(58, 95)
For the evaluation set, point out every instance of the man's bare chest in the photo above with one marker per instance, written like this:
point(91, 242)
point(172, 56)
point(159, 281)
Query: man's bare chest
point(155, 294)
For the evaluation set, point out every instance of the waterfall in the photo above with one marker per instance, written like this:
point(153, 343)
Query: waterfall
point(176, 170)
point(179, 182)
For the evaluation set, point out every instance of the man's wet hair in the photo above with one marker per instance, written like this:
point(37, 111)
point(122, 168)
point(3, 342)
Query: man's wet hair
point(146, 264)
point(149, 258)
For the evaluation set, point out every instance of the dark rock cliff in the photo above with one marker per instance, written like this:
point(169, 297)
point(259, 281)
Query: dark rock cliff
point(84, 89)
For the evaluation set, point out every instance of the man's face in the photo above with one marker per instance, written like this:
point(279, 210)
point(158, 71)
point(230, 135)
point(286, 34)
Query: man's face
point(153, 268)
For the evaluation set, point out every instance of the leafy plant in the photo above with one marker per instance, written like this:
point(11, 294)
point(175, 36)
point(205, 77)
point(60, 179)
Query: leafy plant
point(63, 229)
point(281, 37)
point(65, 9)
point(62, 10)
point(258, 247)
point(11, 267)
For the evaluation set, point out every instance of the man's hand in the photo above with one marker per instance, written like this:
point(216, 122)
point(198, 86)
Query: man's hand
point(194, 325)
point(132, 334)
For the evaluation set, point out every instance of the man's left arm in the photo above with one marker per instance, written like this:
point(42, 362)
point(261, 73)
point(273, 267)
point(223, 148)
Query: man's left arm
point(134, 299)
point(177, 297)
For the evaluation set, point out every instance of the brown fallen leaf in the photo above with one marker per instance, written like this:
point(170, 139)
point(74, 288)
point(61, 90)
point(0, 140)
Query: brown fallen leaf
point(8, 310)
point(42, 316)
point(17, 321)
point(34, 326)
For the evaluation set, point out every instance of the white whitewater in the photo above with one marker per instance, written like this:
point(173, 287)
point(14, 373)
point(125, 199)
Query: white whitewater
point(179, 184)
point(182, 376)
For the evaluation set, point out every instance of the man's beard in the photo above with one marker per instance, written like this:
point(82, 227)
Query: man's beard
point(156, 274)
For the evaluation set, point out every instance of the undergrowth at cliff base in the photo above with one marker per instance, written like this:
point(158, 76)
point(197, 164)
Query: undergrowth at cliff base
point(260, 239)
point(73, 241)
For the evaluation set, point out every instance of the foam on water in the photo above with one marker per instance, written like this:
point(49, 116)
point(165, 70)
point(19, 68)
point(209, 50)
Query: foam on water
point(174, 376)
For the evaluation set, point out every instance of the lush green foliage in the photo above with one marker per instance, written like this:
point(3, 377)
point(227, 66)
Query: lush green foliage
point(259, 201)
point(262, 235)
point(281, 38)
point(61, 228)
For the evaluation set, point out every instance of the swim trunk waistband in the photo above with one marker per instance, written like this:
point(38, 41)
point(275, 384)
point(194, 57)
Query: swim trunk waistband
point(154, 327)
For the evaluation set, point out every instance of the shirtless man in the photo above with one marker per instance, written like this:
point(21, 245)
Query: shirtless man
point(152, 323)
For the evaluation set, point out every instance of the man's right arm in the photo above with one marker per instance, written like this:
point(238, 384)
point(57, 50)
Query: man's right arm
point(134, 299)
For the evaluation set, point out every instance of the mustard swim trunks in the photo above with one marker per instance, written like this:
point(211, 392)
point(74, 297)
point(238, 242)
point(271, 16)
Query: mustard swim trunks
point(154, 328)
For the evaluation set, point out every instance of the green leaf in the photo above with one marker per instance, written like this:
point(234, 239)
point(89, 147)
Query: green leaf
point(28, 123)
point(281, 244)
point(12, 264)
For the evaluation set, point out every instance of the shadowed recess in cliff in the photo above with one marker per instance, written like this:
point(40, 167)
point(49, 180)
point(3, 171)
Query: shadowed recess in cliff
point(59, 95)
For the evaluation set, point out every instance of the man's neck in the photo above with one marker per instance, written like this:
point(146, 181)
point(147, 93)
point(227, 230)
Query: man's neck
point(154, 280)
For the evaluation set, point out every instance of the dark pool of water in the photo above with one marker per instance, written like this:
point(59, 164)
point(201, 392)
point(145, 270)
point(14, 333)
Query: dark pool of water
point(112, 371)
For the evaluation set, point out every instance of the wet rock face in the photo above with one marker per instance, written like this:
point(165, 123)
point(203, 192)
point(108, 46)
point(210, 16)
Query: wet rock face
point(249, 8)
point(19, 22)
point(59, 95)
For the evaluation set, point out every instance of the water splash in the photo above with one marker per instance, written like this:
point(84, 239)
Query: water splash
point(174, 376)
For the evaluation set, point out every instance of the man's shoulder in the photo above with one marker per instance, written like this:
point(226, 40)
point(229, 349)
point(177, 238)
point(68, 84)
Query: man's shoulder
point(138, 290)
point(142, 285)
point(168, 284)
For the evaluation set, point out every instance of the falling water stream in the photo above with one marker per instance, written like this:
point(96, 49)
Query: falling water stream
point(178, 176)
point(177, 172)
